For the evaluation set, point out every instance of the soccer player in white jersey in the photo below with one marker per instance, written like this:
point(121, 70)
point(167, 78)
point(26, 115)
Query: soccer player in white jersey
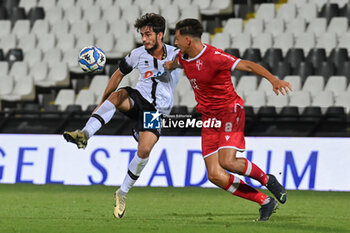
point(153, 92)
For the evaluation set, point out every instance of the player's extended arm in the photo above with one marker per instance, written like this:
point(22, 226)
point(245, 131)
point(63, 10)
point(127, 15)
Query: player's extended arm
point(277, 85)
point(170, 65)
point(112, 85)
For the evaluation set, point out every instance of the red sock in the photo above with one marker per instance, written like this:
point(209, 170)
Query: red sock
point(237, 187)
point(253, 171)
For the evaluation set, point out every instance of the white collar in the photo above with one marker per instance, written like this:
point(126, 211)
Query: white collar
point(200, 54)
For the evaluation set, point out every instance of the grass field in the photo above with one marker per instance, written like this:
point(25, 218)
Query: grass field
point(58, 208)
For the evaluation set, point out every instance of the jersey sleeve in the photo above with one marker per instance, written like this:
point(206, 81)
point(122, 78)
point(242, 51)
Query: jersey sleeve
point(225, 61)
point(129, 63)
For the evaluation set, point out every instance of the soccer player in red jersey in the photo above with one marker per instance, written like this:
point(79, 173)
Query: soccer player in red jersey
point(209, 72)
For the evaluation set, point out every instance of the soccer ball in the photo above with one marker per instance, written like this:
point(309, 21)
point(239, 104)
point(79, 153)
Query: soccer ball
point(92, 59)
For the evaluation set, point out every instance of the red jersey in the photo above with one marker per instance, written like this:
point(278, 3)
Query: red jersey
point(210, 76)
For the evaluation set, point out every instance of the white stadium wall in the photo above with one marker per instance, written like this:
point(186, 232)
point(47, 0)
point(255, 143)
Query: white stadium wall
point(299, 163)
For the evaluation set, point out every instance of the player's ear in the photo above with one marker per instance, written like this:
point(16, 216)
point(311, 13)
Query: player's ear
point(160, 35)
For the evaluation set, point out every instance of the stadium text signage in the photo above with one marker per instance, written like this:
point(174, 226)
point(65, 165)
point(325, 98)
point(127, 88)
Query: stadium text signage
point(299, 163)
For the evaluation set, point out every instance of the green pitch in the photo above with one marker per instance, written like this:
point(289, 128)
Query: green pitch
point(58, 208)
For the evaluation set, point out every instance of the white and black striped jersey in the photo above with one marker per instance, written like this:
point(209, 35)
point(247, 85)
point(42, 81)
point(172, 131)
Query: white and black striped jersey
point(155, 84)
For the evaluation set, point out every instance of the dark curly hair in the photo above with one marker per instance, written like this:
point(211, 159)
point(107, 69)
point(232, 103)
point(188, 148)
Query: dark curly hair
point(190, 27)
point(153, 20)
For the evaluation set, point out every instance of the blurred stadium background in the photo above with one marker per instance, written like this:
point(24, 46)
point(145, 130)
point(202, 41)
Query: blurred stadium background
point(43, 91)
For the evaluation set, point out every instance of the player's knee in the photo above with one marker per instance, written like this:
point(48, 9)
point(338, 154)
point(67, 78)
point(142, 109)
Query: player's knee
point(214, 177)
point(118, 97)
point(144, 152)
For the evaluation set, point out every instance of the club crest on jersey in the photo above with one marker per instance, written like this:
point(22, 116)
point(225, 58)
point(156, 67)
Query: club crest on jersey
point(199, 64)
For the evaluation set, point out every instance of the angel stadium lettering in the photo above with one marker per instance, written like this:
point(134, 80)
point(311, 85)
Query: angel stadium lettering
point(190, 123)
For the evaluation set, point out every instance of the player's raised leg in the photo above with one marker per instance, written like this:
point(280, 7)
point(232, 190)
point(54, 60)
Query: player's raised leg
point(234, 185)
point(102, 115)
point(242, 166)
point(147, 140)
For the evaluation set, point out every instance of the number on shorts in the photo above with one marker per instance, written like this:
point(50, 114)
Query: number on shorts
point(228, 127)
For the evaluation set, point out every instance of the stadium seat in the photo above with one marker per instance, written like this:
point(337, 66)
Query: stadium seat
point(73, 14)
point(323, 99)
point(66, 4)
point(238, 74)
point(295, 81)
point(303, 70)
point(296, 26)
point(85, 4)
point(289, 113)
point(263, 42)
point(61, 27)
point(70, 58)
point(338, 56)
point(40, 27)
point(23, 88)
point(5, 26)
point(254, 27)
point(345, 11)
point(203, 4)
point(73, 108)
point(85, 98)
point(92, 14)
point(65, 42)
point(46, 4)
point(206, 37)
point(221, 40)
point(112, 14)
point(83, 40)
point(344, 69)
point(267, 113)
point(294, 57)
point(242, 42)
point(314, 85)
point(8, 42)
point(98, 84)
point(233, 52)
point(336, 84)
point(188, 99)
point(179, 109)
point(35, 13)
point(119, 27)
point(287, 12)
point(256, 99)
point(17, 13)
point(328, 41)
point(341, 3)
point(329, 11)
point(265, 86)
point(131, 12)
point(107, 43)
point(99, 27)
point(344, 41)
point(79, 27)
point(4, 68)
point(14, 55)
point(20, 28)
point(284, 42)
point(278, 101)
point(247, 84)
point(317, 26)
point(252, 54)
point(275, 27)
point(338, 25)
point(281, 69)
point(272, 56)
point(316, 56)
point(311, 114)
point(7, 84)
point(39, 71)
point(308, 11)
point(4, 15)
point(54, 14)
point(124, 44)
point(306, 41)
point(58, 76)
point(53, 56)
point(27, 42)
point(64, 98)
point(233, 26)
point(300, 99)
point(343, 100)
point(326, 69)
point(266, 11)
point(32, 56)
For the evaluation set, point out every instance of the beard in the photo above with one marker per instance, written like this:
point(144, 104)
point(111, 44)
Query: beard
point(154, 47)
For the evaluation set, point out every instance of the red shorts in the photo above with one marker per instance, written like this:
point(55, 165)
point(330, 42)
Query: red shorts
point(229, 135)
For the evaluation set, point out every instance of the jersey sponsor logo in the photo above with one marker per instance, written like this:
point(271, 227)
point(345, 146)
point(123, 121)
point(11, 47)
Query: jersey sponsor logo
point(150, 74)
point(194, 84)
point(199, 64)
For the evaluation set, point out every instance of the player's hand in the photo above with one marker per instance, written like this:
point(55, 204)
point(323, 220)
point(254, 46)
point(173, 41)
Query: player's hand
point(281, 86)
point(168, 65)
